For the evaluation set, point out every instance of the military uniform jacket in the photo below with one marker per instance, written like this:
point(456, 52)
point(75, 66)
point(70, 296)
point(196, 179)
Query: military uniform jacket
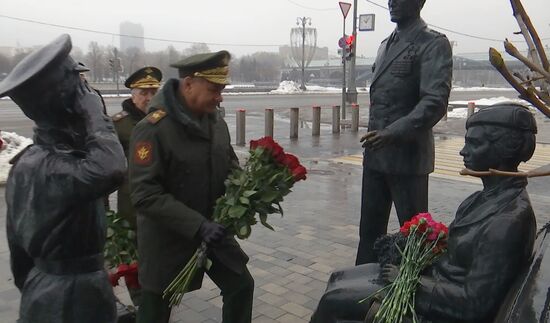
point(408, 95)
point(178, 166)
point(490, 242)
point(125, 121)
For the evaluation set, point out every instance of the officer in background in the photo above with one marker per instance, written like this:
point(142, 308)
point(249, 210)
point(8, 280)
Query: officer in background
point(144, 84)
point(180, 156)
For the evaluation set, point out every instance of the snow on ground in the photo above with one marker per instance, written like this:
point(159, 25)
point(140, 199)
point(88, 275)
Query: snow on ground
point(240, 86)
point(290, 87)
point(287, 87)
point(13, 143)
point(481, 88)
point(490, 101)
point(462, 113)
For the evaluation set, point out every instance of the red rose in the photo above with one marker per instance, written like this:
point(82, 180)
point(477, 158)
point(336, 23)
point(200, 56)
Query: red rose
point(277, 152)
point(299, 173)
point(253, 144)
point(113, 279)
point(270, 145)
point(290, 161)
point(131, 279)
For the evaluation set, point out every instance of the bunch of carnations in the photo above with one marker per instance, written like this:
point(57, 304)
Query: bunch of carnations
point(120, 251)
point(257, 189)
point(426, 241)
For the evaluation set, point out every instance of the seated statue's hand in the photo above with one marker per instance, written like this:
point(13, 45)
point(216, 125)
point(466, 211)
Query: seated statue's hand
point(389, 273)
point(377, 139)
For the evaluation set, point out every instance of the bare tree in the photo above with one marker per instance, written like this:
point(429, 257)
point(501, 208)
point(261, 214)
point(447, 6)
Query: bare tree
point(5, 65)
point(196, 48)
point(96, 61)
point(132, 59)
point(535, 86)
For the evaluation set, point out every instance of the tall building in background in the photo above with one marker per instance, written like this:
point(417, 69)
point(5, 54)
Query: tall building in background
point(131, 29)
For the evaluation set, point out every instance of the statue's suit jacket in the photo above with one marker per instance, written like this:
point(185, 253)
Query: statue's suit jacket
point(409, 94)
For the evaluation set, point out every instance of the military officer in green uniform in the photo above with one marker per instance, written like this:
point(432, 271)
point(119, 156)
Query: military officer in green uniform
point(180, 156)
point(144, 84)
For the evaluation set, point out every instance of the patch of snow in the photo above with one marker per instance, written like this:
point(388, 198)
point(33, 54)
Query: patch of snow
point(481, 88)
point(490, 101)
point(462, 113)
point(239, 86)
point(287, 87)
point(459, 113)
point(13, 144)
point(291, 87)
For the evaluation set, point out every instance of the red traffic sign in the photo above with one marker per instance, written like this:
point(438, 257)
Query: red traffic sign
point(344, 6)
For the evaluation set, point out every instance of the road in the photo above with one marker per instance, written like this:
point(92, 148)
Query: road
point(13, 120)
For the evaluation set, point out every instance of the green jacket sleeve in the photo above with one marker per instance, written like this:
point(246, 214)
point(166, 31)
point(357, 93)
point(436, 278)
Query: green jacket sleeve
point(147, 175)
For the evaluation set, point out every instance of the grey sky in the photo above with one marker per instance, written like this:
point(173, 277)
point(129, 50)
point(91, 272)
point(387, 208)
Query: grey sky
point(255, 22)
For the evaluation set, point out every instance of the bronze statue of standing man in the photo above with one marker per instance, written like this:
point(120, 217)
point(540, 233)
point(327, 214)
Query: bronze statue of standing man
point(409, 94)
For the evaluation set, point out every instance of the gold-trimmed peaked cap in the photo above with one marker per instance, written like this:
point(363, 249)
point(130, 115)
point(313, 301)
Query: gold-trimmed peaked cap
point(148, 77)
point(213, 67)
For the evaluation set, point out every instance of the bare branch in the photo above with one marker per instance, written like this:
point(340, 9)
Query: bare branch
point(513, 51)
point(519, 11)
point(528, 94)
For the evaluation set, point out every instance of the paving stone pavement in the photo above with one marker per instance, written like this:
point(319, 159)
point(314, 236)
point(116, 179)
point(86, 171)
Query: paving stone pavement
point(318, 234)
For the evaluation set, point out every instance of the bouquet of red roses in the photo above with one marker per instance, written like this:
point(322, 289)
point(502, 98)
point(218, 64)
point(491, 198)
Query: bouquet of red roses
point(426, 241)
point(120, 251)
point(258, 188)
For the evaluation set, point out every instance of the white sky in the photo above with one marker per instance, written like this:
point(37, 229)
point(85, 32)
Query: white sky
point(255, 22)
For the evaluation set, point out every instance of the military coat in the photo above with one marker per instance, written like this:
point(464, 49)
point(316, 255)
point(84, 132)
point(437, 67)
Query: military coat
point(124, 122)
point(178, 165)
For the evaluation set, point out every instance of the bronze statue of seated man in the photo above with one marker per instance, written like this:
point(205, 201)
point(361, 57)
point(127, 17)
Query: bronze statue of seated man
point(490, 240)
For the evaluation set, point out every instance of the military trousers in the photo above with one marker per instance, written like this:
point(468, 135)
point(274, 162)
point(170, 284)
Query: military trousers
point(237, 292)
point(408, 193)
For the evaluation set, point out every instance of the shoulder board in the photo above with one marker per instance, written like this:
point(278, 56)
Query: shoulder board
point(156, 116)
point(119, 116)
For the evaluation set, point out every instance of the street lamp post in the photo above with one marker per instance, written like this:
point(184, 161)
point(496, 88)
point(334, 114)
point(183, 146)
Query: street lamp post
point(303, 21)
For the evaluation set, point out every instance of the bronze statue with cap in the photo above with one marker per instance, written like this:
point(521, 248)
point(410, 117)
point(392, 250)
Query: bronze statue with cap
point(56, 217)
point(490, 240)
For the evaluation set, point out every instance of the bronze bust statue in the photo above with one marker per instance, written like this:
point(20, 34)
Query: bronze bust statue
point(490, 240)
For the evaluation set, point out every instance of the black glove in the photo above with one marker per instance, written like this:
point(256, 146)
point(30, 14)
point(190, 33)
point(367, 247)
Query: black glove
point(212, 233)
